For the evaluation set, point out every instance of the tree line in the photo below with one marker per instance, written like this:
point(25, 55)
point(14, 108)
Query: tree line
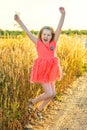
point(17, 33)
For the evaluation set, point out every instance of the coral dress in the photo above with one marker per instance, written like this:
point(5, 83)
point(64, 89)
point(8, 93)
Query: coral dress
point(46, 67)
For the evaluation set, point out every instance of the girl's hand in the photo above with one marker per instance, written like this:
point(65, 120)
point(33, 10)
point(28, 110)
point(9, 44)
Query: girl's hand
point(16, 17)
point(62, 10)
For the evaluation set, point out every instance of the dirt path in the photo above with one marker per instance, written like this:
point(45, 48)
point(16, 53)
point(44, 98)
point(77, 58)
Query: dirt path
point(71, 113)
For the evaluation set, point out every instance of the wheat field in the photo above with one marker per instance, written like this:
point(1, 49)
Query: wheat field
point(16, 59)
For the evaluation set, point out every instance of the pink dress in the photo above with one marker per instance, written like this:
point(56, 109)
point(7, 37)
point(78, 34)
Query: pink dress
point(46, 67)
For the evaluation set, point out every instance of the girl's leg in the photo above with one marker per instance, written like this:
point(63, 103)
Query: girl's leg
point(53, 88)
point(46, 101)
point(46, 95)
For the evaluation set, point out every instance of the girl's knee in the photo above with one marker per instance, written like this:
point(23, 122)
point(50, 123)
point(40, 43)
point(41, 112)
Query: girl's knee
point(50, 94)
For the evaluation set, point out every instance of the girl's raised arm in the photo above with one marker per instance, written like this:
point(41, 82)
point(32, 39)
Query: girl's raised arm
point(58, 30)
point(30, 35)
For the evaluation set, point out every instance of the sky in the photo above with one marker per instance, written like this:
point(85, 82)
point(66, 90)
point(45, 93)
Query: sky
point(37, 13)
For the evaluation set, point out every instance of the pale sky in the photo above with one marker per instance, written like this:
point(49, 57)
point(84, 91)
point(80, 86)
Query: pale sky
point(37, 13)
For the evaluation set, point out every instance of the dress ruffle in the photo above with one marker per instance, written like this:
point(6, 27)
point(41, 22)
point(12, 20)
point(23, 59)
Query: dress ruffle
point(46, 70)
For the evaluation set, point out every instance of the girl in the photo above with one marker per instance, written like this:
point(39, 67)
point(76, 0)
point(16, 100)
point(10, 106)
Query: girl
point(46, 68)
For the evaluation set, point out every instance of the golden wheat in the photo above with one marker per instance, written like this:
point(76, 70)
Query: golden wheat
point(16, 59)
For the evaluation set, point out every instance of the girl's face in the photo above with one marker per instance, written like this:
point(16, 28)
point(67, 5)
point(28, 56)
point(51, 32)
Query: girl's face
point(46, 36)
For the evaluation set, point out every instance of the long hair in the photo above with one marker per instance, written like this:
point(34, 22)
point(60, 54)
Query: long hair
point(49, 28)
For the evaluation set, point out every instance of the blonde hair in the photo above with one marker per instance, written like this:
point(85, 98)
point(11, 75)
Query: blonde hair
point(49, 28)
